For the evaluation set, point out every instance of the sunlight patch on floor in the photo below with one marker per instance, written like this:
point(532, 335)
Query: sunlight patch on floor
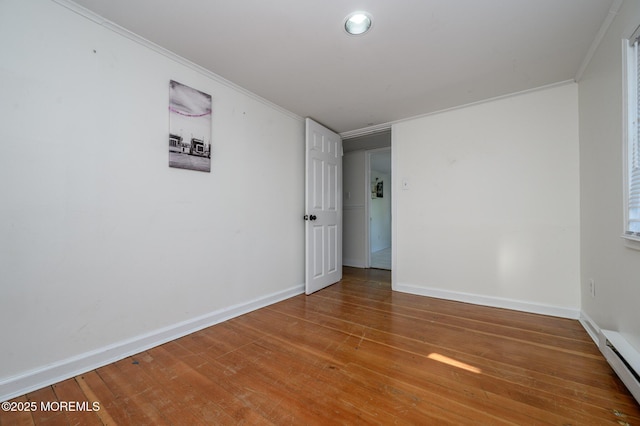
point(452, 362)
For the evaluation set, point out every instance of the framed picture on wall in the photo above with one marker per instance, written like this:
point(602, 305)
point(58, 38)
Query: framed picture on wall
point(189, 128)
point(379, 191)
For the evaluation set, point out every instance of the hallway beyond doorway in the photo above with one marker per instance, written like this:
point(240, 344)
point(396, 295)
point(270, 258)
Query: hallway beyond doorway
point(381, 259)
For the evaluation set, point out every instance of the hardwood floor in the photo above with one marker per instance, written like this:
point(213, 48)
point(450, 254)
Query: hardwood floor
point(355, 353)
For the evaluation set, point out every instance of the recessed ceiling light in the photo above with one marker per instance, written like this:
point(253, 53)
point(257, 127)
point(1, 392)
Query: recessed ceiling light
point(357, 23)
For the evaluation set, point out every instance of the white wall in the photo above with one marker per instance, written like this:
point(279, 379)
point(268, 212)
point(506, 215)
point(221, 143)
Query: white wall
point(354, 250)
point(491, 210)
point(100, 241)
point(605, 258)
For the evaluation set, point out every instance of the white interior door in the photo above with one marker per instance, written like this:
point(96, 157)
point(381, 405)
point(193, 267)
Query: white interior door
point(323, 204)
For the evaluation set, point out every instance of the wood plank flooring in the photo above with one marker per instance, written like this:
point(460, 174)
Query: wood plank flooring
point(355, 353)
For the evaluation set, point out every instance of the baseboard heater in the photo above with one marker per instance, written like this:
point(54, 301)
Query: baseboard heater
point(623, 358)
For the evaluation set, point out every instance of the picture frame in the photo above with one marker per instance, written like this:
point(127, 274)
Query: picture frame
point(190, 115)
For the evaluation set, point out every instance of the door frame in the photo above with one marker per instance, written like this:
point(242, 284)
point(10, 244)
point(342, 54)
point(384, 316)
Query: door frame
point(367, 204)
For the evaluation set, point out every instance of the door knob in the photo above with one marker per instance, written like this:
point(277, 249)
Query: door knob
point(313, 217)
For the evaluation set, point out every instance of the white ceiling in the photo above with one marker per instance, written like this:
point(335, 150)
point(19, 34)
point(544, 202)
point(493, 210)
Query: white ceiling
point(420, 56)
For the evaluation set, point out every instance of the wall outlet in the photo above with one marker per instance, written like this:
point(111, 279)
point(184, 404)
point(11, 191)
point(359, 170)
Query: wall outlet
point(592, 287)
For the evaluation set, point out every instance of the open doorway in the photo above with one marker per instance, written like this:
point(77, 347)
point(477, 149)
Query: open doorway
point(379, 173)
point(366, 220)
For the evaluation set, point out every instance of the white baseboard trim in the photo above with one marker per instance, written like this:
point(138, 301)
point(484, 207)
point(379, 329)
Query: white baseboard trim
point(495, 302)
point(353, 263)
point(47, 375)
point(591, 328)
point(623, 358)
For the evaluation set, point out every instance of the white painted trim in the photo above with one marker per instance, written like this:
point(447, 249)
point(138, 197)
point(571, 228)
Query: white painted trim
point(386, 126)
point(47, 375)
point(368, 130)
point(354, 263)
point(613, 11)
point(495, 302)
point(631, 357)
point(590, 327)
point(92, 16)
point(631, 242)
point(396, 182)
point(367, 208)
